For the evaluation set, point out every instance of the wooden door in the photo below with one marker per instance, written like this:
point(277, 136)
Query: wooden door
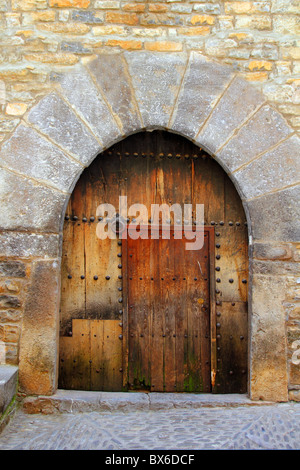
point(168, 325)
point(97, 351)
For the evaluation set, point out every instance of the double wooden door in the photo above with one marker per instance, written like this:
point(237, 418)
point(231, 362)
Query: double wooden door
point(147, 314)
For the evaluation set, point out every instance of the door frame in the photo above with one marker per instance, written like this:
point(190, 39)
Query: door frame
point(212, 316)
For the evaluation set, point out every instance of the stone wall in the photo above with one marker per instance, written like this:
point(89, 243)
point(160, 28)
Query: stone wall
point(260, 39)
point(40, 40)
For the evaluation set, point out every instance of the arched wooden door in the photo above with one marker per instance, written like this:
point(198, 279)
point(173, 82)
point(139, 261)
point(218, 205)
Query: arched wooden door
point(147, 314)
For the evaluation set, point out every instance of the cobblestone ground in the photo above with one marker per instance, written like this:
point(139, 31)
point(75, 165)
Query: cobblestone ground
point(256, 427)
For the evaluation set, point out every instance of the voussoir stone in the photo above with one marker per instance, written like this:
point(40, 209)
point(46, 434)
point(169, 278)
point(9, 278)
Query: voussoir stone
point(29, 244)
point(265, 129)
point(276, 215)
point(239, 101)
point(273, 170)
point(56, 119)
point(203, 83)
point(83, 95)
point(29, 153)
point(106, 69)
point(156, 79)
point(27, 205)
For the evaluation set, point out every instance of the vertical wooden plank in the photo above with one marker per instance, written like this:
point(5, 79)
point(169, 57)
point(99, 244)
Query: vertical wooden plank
point(101, 256)
point(209, 189)
point(181, 318)
point(168, 309)
point(111, 355)
point(81, 354)
point(232, 376)
point(65, 362)
point(198, 319)
point(158, 323)
point(73, 263)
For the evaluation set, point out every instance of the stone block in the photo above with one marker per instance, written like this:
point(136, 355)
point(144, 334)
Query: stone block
point(276, 268)
point(28, 153)
point(26, 245)
point(121, 18)
point(9, 301)
point(156, 79)
point(74, 47)
point(268, 375)
point(293, 339)
point(29, 206)
point(265, 129)
point(87, 16)
point(122, 101)
point(276, 216)
point(10, 316)
point(81, 92)
point(8, 385)
point(238, 102)
point(163, 46)
point(271, 252)
point(273, 170)
point(54, 118)
point(119, 401)
point(282, 6)
point(203, 84)
point(39, 340)
point(11, 268)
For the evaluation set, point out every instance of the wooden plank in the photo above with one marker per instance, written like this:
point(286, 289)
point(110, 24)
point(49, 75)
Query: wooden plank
point(197, 265)
point(167, 305)
point(101, 256)
point(232, 340)
point(232, 264)
point(208, 189)
point(65, 362)
point(106, 354)
point(81, 354)
point(73, 286)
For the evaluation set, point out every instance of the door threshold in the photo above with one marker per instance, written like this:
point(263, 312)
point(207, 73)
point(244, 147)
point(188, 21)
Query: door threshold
point(79, 401)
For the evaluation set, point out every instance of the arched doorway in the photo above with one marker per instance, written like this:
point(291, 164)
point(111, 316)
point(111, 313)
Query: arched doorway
point(147, 313)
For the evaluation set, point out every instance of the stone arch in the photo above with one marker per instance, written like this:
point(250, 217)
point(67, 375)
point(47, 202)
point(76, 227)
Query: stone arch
point(102, 101)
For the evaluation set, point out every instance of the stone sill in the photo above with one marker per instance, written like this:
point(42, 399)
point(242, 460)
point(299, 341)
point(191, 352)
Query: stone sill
point(69, 401)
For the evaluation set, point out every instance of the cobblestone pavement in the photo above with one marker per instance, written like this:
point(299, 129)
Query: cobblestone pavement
point(256, 427)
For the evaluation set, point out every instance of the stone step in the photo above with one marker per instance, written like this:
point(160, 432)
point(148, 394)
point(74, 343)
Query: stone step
point(72, 401)
point(8, 385)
